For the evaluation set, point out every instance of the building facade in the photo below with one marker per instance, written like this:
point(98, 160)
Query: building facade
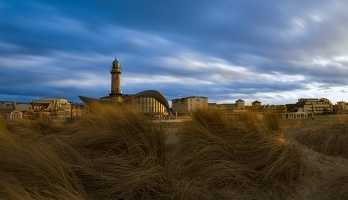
point(256, 105)
point(189, 105)
point(298, 114)
point(237, 107)
point(9, 112)
point(150, 102)
point(56, 109)
point(341, 107)
point(315, 105)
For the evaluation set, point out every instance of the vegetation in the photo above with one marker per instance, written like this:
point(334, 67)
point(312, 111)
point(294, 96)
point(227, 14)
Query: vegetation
point(328, 139)
point(241, 155)
point(339, 188)
point(118, 153)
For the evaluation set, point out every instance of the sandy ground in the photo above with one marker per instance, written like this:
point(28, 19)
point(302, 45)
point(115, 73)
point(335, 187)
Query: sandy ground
point(322, 169)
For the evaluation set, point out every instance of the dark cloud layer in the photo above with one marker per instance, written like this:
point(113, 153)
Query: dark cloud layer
point(271, 51)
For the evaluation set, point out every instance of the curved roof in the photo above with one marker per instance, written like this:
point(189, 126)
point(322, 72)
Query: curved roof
point(152, 93)
point(147, 93)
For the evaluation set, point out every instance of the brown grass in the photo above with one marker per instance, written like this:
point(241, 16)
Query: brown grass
point(330, 139)
point(234, 155)
point(343, 118)
point(117, 153)
point(126, 155)
point(338, 188)
point(31, 169)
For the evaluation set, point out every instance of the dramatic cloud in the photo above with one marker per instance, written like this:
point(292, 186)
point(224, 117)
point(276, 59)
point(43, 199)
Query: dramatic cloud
point(271, 51)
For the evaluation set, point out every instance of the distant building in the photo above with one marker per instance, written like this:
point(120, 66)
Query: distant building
point(237, 107)
point(315, 105)
point(189, 105)
point(23, 107)
point(273, 108)
point(150, 102)
point(55, 109)
point(26, 109)
point(297, 114)
point(213, 106)
point(341, 107)
point(9, 112)
point(6, 105)
point(256, 105)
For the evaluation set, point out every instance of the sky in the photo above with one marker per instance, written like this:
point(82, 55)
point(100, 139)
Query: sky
point(273, 51)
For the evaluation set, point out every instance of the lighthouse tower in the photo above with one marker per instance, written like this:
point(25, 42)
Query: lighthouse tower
point(116, 93)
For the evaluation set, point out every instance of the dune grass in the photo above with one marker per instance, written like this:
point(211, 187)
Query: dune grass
point(338, 188)
point(126, 154)
point(249, 155)
point(330, 139)
point(117, 153)
point(31, 169)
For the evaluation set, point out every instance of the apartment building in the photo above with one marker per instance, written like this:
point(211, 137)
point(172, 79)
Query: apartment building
point(315, 105)
point(56, 109)
point(188, 105)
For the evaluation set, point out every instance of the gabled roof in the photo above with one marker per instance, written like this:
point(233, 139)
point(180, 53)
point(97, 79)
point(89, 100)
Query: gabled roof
point(9, 110)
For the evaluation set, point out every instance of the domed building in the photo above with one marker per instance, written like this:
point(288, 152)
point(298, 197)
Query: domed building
point(150, 102)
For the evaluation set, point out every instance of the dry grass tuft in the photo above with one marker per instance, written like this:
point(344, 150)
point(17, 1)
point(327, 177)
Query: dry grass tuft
point(115, 154)
point(338, 188)
point(331, 139)
point(237, 155)
point(343, 118)
point(121, 131)
point(126, 154)
point(31, 169)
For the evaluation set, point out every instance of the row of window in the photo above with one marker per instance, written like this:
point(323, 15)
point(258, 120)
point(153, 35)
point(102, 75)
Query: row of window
point(150, 105)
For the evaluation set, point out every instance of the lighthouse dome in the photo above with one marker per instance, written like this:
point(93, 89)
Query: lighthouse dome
point(115, 64)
